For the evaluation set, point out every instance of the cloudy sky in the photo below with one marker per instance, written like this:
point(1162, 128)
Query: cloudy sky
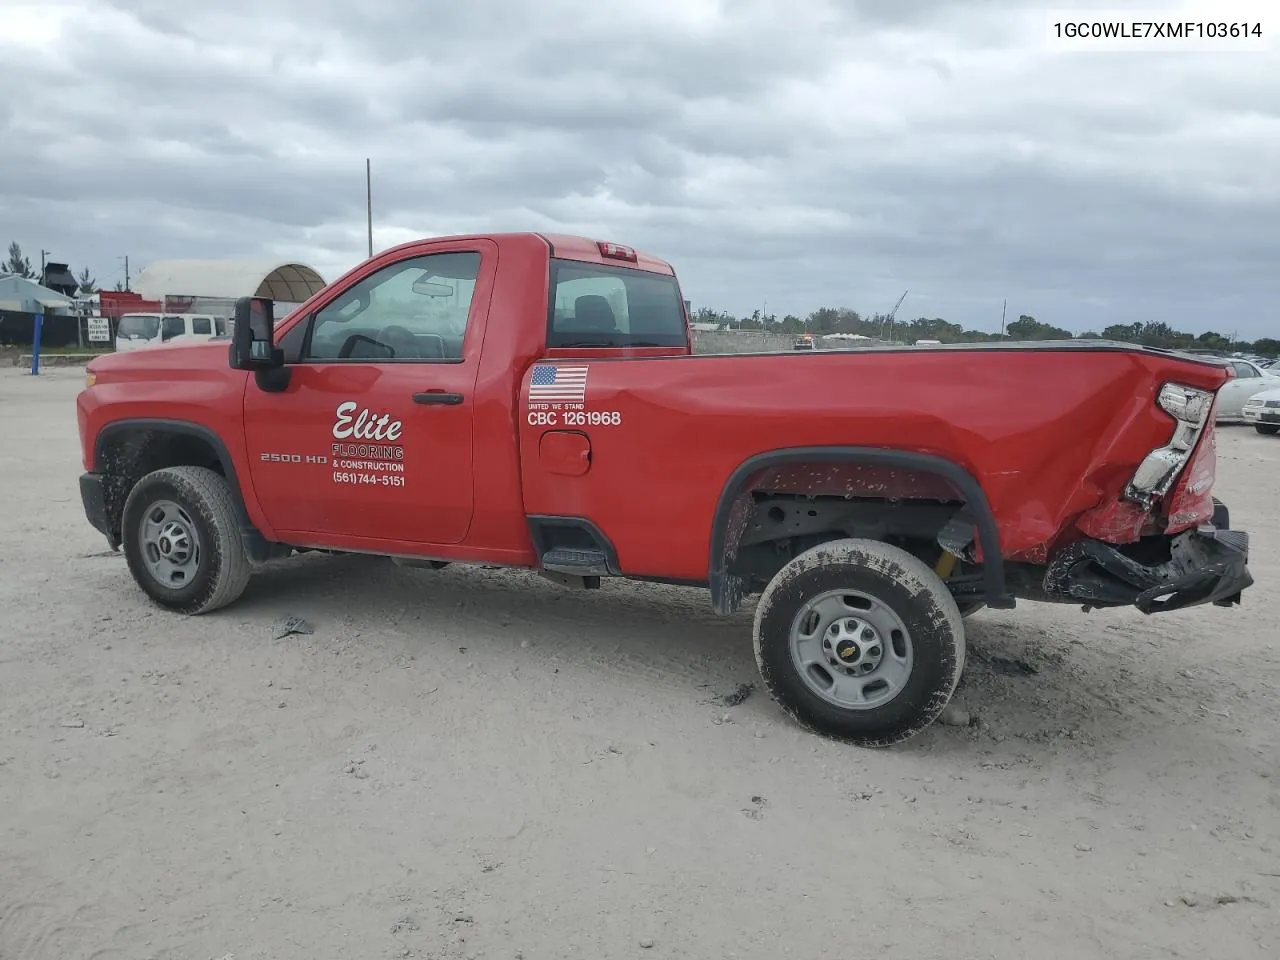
point(799, 152)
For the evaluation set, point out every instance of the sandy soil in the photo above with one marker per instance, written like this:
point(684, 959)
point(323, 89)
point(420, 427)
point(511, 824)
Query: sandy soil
point(476, 763)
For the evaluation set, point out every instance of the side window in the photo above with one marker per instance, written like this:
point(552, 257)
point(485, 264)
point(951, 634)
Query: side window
point(172, 327)
point(1244, 370)
point(415, 309)
point(220, 326)
point(201, 325)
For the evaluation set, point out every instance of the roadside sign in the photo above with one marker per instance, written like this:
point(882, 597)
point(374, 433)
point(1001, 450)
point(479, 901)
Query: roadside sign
point(99, 329)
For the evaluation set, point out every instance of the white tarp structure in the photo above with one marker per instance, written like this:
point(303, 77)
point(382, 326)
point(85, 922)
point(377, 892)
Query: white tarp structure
point(228, 279)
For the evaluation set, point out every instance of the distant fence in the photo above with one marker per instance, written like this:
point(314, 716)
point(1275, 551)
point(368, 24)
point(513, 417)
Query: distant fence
point(59, 330)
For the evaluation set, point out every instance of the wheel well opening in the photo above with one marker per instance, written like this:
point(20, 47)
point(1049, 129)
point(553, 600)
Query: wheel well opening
point(126, 456)
point(772, 513)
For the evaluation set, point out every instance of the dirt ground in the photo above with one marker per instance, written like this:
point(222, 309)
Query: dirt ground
point(477, 763)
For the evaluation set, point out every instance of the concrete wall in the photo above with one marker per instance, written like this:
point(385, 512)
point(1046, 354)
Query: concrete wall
point(739, 341)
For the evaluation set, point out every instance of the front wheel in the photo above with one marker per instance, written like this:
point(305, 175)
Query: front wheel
point(860, 641)
point(1269, 429)
point(182, 540)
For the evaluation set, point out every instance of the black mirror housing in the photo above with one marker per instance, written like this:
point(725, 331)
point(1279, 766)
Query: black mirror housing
point(252, 341)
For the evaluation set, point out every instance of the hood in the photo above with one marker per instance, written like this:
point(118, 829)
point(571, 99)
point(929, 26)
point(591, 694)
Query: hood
point(1272, 392)
point(204, 354)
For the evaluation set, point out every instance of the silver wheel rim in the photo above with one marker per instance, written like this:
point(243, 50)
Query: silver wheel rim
point(851, 649)
point(170, 544)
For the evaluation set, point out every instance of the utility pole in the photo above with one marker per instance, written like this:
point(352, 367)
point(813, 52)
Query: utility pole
point(43, 254)
point(1004, 306)
point(125, 258)
point(368, 196)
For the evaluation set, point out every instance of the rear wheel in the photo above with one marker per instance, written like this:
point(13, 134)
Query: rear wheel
point(1270, 429)
point(860, 641)
point(182, 540)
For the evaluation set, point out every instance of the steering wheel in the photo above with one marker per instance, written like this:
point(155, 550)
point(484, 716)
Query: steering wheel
point(401, 340)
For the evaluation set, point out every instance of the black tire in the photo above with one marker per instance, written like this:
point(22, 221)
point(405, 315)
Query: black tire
point(914, 593)
point(222, 569)
point(1268, 429)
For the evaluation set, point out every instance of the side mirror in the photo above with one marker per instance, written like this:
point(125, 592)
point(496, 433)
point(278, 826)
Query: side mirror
point(252, 344)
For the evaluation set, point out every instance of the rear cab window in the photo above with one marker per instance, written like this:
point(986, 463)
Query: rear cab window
point(593, 305)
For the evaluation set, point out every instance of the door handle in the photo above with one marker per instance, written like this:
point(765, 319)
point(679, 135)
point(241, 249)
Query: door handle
point(438, 397)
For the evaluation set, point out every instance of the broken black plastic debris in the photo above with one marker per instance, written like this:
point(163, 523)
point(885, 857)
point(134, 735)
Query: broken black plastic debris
point(288, 625)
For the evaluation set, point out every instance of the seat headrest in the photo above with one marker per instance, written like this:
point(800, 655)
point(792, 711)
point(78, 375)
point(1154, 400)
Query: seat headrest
point(593, 312)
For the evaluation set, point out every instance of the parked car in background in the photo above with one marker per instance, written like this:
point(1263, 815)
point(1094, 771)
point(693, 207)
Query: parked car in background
point(1263, 411)
point(804, 342)
point(1250, 379)
point(137, 330)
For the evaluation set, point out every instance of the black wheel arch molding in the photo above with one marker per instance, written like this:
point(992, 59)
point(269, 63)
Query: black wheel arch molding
point(259, 547)
point(180, 427)
point(727, 592)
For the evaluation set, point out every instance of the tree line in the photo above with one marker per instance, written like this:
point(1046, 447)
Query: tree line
point(19, 264)
point(829, 320)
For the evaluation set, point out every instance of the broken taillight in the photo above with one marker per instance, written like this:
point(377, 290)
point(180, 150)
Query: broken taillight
point(1189, 407)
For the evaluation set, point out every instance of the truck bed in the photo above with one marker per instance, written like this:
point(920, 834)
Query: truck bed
point(1048, 430)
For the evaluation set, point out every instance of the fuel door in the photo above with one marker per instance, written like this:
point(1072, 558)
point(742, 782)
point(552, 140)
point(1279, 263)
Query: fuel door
point(565, 452)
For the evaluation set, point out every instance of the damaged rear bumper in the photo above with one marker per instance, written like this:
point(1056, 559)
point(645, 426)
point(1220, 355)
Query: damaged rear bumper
point(1206, 565)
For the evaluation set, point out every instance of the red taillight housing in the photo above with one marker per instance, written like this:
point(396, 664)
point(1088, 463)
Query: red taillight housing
point(1190, 502)
point(616, 251)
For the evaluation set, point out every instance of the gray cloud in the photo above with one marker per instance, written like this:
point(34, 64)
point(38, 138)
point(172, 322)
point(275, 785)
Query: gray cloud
point(815, 153)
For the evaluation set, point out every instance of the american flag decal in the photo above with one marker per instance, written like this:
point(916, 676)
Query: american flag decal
point(552, 383)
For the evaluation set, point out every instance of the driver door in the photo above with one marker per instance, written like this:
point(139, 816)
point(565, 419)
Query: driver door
point(370, 443)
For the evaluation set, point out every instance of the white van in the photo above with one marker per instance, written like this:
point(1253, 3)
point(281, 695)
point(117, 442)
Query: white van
point(137, 330)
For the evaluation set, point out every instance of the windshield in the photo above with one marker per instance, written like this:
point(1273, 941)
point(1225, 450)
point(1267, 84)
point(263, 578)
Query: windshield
point(599, 306)
point(138, 326)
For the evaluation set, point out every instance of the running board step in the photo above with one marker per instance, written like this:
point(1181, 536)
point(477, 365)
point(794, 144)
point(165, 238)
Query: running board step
point(576, 563)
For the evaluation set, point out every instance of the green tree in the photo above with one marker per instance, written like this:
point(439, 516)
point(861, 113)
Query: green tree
point(1029, 328)
point(1212, 340)
point(87, 283)
point(1267, 346)
point(922, 328)
point(17, 263)
point(1126, 332)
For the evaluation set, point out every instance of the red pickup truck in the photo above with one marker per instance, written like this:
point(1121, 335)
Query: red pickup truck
point(534, 401)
